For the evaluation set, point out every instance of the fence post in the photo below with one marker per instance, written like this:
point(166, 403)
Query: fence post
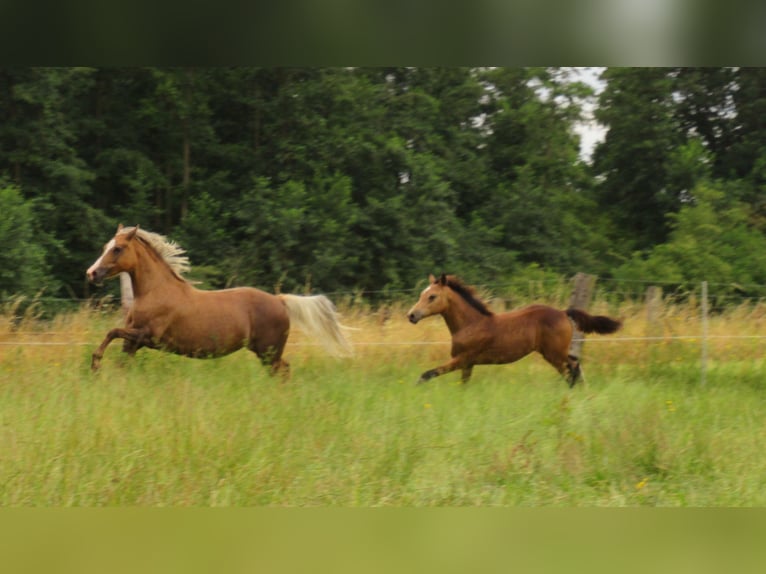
point(653, 309)
point(580, 299)
point(703, 344)
point(126, 291)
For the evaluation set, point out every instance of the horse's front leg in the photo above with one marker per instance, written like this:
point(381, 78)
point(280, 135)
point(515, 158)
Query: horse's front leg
point(134, 338)
point(131, 347)
point(458, 362)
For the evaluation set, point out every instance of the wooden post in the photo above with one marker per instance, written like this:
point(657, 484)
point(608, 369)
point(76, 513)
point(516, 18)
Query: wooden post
point(703, 344)
point(580, 299)
point(653, 310)
point(126, 291)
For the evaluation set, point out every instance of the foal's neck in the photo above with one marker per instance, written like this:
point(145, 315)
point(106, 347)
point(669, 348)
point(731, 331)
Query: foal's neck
point(459, 314)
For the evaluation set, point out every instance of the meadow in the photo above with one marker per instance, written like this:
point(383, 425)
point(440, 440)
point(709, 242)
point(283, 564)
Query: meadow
point(162, 430)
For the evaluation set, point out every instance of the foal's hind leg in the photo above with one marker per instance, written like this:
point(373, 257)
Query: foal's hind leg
point(575, 371)
point(563, 364)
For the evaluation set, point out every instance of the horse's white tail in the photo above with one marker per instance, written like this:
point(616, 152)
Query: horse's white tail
point(317, 316)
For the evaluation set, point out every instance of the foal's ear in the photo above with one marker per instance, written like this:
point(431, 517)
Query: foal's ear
point(443, 279)
point(119, 227)
point(132, 233)
point(431, 278)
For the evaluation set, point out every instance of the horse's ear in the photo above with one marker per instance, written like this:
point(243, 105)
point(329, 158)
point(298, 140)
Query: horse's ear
point(431, 278)
point(119, 227)
point(443, 279)
point(132, 233)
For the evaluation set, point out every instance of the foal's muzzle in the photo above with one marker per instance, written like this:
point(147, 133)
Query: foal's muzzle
point(414, 318)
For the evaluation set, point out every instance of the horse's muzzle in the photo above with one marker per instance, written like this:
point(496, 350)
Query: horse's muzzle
point(95, 276)
point(413, 318)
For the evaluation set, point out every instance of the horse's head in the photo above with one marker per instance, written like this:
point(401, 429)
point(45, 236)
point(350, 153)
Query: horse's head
point(433, 300)
point(118, 256)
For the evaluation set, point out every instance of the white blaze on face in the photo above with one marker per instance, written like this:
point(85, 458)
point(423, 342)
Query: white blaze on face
point(97, 264)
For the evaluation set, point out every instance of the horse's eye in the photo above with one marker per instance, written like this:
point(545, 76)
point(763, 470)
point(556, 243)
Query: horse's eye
point(117, 250)
point(431, 298)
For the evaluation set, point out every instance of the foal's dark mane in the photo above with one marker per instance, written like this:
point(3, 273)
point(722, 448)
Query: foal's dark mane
point(468, 294)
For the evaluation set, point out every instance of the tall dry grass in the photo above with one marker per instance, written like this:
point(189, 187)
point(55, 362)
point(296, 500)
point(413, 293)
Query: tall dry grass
point(169, 431)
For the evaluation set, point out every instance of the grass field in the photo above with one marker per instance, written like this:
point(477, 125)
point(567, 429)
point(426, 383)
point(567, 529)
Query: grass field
point(169, 431)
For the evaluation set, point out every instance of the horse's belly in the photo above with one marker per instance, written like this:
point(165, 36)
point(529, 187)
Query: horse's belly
point(200, 340)
point(493, 352)
point(499, 356)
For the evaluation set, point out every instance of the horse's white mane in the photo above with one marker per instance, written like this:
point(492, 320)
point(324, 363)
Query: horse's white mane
point(170, 251)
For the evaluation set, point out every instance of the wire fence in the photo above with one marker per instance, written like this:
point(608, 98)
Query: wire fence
point(706, 299)
point(618, 289)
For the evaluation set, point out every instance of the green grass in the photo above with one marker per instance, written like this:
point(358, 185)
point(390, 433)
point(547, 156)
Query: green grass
point(168, 431)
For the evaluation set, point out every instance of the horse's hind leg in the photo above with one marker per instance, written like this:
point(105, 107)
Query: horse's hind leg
point(272, 356)
point(282, 368)
point(575, 370)
point(563, 364)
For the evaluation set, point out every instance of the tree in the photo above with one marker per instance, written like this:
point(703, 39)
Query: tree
point(631, 164)
point(745, 158)
point(711, 239)
point(536, 204)
point(23, 269)
point(40, 154)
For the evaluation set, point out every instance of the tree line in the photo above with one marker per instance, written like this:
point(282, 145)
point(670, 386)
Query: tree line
point(370, 178)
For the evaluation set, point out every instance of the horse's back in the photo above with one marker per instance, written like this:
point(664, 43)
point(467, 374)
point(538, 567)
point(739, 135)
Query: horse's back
point(536, 326)
point(258, 306)
point(222, 321)
point(536, 314)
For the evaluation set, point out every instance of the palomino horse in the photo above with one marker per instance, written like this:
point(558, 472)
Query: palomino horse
point(168, 313)
point(481, 337)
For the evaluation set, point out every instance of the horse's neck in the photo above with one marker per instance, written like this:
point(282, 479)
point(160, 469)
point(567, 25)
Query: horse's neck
point(459, 314)
point(151, 275)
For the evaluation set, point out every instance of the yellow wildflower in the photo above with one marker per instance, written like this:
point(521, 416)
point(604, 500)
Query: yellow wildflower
point(671, 407)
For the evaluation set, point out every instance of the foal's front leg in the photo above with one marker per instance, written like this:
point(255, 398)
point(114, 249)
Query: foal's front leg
point(459, 362)
point(136, 338)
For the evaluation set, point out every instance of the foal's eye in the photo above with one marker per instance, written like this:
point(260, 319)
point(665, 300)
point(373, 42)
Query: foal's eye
point(117, 250)
point(431, 298)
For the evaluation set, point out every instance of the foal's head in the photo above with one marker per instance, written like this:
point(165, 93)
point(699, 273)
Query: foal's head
point(433, 300)
point(119, 255)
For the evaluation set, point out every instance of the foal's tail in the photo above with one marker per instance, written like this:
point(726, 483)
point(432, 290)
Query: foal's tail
point(593, 323)
point(317, 316)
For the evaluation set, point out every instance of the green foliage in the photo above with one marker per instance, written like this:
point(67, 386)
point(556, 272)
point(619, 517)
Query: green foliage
point(23, 269)
point(294, 235)
point(632, 162)
point(369, 178)
point(711, 239)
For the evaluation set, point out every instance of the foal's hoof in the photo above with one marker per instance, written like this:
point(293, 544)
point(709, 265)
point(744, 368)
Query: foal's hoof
point(426, 376)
